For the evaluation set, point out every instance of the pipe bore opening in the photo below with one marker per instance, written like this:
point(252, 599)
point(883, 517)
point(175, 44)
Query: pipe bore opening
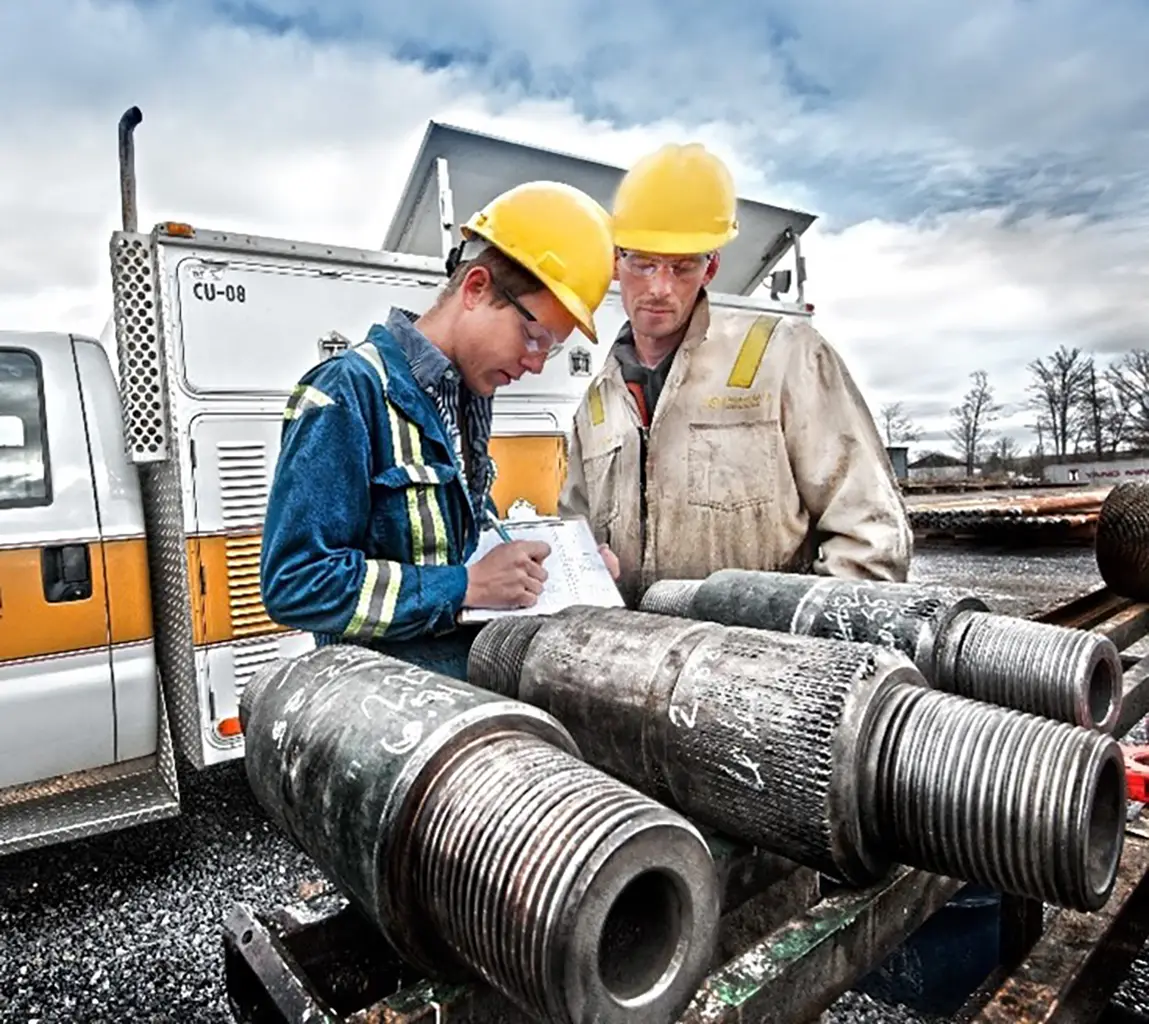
point(1103, 684)
point(642, 941)
point(1106, 821)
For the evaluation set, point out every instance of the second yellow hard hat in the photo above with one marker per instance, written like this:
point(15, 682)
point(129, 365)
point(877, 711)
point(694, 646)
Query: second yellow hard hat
point(678, 199)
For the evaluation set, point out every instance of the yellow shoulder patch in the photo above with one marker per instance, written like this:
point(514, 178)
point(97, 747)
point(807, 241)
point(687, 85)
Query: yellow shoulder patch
point(597, 412)
point(751, 351)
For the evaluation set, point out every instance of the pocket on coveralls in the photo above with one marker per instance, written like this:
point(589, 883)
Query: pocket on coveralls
point(732, 465)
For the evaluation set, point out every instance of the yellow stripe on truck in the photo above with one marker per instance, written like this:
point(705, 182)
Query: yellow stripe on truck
point(31, 626)
point(223, 579)
point(532, 467)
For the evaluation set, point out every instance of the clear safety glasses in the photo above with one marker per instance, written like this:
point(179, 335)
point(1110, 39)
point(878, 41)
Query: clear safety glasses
point(537, 337)
point(682, 267)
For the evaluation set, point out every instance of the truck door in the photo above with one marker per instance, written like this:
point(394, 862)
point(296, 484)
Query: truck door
point(57, 710)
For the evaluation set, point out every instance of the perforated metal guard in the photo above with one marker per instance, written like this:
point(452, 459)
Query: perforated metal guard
point(139, 346)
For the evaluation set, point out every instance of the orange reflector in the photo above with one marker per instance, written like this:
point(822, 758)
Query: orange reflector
point(229, 727)
point(175, 227)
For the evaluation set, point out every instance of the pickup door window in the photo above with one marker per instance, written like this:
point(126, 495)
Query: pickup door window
point(24, 476)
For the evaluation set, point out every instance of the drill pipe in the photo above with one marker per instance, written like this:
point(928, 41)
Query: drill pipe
point(958, 644)
point(835, 755)
point(466, 827)
point(1121, 545)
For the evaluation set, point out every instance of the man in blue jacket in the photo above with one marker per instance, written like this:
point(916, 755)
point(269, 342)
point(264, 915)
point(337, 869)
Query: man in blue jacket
point(384, 476)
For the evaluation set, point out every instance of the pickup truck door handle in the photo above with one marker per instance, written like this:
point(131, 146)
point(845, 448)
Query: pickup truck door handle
point(67, 573)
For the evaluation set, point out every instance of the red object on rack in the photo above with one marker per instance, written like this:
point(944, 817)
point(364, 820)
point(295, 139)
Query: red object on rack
point(1137, 773)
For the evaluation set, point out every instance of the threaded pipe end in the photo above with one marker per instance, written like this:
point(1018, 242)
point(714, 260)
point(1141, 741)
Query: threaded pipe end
point(1070, 675)
point(498, 653)
point(572, 894)
point(992, 795)
point(1121, 542)
point(670, 597)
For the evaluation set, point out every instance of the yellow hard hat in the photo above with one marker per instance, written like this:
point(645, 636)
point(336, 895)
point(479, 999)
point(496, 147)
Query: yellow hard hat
point(558, 233)
point(677, 200)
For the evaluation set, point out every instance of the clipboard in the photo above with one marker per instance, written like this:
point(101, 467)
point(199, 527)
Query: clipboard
point(576, 573)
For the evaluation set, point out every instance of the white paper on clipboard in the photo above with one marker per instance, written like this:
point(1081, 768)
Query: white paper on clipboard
point(576, 573)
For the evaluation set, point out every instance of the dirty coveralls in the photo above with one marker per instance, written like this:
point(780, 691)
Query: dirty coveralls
point(760, 454)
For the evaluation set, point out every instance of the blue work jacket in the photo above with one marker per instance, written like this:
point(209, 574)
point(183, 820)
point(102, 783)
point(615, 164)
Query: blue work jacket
point(368, 522)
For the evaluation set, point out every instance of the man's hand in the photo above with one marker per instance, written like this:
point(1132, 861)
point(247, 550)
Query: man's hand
point(610, 560)
point(511, 575)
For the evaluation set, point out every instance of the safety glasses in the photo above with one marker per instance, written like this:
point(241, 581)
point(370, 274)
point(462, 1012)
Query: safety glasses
point(537, 337)
point(682, 267)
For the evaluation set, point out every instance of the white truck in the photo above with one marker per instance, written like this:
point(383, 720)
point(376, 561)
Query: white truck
point(134, 475)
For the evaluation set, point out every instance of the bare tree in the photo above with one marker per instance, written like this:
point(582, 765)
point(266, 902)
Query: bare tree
point(1056, 393)
point(1129, 378)
point(972, 418)
point(898, 427)
point(1103, 415)
point(1002, 456)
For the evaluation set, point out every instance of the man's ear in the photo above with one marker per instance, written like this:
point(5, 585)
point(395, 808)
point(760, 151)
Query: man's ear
point(616, 259)
point(475, 287)
point(711, 268)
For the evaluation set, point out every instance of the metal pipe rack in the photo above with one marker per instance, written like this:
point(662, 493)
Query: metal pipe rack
point(787, 950)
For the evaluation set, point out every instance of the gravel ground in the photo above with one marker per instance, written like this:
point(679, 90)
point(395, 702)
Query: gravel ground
point(126, 927)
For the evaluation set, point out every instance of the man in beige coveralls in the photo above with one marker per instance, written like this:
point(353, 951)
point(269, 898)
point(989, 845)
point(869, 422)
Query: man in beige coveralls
point(730, 439)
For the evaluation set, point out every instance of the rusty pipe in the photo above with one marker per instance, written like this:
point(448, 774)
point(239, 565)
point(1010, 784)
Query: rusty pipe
point(467, 828)
point(951, 635)
point(836, 755)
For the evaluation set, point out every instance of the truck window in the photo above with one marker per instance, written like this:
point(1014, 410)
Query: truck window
point(24, 476)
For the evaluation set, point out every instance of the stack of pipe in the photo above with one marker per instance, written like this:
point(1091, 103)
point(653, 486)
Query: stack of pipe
point(834, 754)
point(957, 643)
point(1012, 513)
point(469, 830)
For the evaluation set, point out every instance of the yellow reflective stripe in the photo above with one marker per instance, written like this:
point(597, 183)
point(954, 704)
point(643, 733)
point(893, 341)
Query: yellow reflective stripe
point(378, 596)
point(305, 397)
point(428, 530)
point(597, 413)
point(369, 352)
point(750, 354)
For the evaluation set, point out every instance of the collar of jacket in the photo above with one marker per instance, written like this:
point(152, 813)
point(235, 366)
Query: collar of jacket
point(428, 363)
point(404, 390)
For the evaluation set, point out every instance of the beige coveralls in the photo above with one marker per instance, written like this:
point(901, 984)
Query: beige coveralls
point(761, 455)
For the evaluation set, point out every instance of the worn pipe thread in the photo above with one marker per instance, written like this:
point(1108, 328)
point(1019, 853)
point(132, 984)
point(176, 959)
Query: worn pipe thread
point(497, 653)
point(670, 597)
point(1121, 542)
point(1020, 803)
point(1071, 675)
point(501, 842)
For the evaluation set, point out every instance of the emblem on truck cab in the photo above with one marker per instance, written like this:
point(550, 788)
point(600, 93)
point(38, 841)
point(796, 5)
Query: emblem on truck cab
point(580, 362)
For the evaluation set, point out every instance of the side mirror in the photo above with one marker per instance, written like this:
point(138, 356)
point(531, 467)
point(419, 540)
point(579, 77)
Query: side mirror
point(780, 282)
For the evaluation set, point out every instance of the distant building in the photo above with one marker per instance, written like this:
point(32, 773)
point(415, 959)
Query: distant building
point(1098, 473)
point(936, 467)
point(899, 457)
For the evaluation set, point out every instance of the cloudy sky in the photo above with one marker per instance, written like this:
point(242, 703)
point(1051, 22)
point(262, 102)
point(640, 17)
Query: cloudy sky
point(980, 169)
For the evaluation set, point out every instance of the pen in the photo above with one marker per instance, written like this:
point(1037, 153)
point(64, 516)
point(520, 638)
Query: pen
point(499, 527)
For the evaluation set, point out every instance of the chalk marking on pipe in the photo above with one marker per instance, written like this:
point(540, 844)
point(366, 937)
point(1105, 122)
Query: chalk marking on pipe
point(681, 718)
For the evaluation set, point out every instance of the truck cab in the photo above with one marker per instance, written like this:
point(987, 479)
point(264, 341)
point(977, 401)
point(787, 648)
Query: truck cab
point(82, 740)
